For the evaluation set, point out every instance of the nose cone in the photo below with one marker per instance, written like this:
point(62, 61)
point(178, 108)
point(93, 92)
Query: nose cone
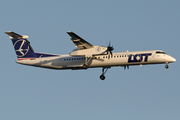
point(169, 59)
point(173, 59)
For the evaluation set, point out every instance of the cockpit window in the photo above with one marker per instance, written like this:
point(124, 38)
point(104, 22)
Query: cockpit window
point(159, 52)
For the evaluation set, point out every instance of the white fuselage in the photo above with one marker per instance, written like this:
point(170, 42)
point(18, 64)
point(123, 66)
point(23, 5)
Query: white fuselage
point(118, 59)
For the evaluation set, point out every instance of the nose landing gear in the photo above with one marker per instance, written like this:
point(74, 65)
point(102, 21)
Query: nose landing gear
point(166, 66)
point(104, 70)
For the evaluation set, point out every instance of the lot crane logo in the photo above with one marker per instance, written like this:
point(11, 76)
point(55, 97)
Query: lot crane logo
point(21, 48)
point(98, 49)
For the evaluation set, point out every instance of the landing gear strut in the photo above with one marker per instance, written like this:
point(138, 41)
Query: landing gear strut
point(126, 66)
point(87, 61)
point(104, 70)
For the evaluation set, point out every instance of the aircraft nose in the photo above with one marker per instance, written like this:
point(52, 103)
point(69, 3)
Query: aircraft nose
point(170, 59)
point(173, 59)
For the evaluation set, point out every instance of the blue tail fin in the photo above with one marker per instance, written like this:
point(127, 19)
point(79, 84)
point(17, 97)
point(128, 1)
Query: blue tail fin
point(22, 46)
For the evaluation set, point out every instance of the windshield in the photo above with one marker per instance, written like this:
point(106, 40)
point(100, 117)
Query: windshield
point(160, 52)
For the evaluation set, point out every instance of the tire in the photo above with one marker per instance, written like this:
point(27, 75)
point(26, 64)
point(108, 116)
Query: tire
point(102, 77)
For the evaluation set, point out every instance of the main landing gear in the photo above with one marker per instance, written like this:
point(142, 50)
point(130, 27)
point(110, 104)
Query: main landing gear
point(87, 61)
point(126, 66)
point(104, 70)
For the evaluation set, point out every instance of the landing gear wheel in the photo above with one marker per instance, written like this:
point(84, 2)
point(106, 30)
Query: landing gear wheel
point(102, 77)
point(166, 66)
point(104, 70)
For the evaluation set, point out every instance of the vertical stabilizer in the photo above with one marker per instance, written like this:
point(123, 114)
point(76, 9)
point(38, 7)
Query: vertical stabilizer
point(22, 46)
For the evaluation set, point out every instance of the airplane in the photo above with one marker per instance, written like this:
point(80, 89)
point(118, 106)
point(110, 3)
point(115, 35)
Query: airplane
point(85, 56)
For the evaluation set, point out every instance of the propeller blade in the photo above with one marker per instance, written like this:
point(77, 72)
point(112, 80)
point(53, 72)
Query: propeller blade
point(108, 54)
point(111, 53)
point(109, 50)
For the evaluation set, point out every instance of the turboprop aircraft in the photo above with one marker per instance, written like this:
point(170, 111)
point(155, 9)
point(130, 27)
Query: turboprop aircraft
point(85, 56)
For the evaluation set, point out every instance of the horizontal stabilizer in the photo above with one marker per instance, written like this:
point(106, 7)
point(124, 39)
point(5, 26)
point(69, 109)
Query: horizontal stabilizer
point(14, 35)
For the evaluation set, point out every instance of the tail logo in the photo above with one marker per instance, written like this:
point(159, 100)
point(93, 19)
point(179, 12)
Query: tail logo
point(21, 48)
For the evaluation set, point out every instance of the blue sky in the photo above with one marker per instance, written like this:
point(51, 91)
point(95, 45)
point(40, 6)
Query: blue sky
point(140, 93)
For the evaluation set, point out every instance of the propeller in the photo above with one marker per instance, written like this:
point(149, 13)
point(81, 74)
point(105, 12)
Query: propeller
point(109, 50)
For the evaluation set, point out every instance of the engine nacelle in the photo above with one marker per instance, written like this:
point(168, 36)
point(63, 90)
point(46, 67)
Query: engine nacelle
point(95, 50)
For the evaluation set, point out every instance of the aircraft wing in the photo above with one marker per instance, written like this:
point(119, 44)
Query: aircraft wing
point(79, 42)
